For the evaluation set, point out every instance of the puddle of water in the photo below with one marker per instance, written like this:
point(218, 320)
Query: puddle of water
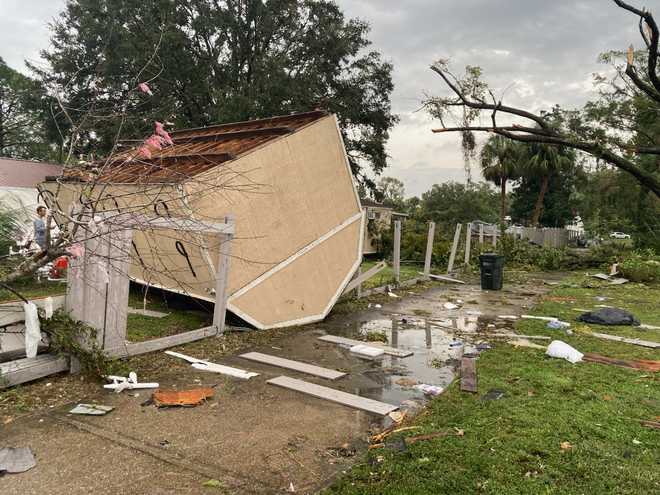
point(436, 353)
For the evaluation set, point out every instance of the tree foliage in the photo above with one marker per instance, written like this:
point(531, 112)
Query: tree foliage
point(22, 132)
point(212, 61)
point(622, 140)
point(500, 163)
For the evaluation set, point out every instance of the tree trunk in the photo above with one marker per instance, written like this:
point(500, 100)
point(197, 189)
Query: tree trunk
point(503, 205)
point(538, 207)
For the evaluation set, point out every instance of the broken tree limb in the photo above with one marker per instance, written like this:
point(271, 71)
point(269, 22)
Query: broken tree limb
point(365, 276)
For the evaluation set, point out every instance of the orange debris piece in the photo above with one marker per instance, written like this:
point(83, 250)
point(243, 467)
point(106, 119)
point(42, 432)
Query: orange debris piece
point(192, 397)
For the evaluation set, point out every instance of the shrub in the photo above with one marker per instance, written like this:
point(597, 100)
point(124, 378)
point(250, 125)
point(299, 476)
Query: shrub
point(641, 266)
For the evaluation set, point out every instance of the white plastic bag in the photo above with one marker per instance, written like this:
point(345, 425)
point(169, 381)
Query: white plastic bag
point(562, 350)
point(48, 307)
point(32, 329)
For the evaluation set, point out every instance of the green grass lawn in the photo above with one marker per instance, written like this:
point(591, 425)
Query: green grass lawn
point(386, 275)
point(514, 445)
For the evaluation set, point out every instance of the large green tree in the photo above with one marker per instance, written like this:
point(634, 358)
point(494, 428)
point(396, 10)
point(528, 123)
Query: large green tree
point(622, 141)
point(500, 163)
point(22, 131)
point(541, 163)
point(451, 202)
point(211, 61)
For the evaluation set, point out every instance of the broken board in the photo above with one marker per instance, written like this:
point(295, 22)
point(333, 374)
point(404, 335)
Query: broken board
point(469, 374)
point(388, 350)
point(333, 395)
point(617, 338)
point(310, 369)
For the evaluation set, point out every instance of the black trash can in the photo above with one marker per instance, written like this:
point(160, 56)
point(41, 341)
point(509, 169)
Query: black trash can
point(491, 266)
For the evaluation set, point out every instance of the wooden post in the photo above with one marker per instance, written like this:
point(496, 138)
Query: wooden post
point(481, 233)
point(116, 313)
point(429, 249)
point(220, 309)
point(494, 236)
point(427, 331)
point(394, 338)
point(397, 251)
point(454, 247)
point(468, 241)
point(359, 287)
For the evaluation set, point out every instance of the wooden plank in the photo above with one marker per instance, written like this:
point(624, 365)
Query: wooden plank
point(346, 341)
point(28, 369)
point(365, 276)
point(396, 258)
point(429, 249)
point(469, 374)
point(617, 338)
point(12, 312)
point(333, 395)
point(132, 349)
point(468, 241)
point(310, 369)
point(494, 236)
point(443, 278)
point(481, 233)
point(222, 280)
point(454, 247)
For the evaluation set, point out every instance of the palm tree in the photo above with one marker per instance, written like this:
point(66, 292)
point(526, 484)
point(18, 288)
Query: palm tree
point(545, 161)
point(499, 164)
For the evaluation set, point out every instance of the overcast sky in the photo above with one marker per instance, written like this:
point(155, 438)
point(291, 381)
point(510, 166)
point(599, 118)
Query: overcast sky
point(536, 52)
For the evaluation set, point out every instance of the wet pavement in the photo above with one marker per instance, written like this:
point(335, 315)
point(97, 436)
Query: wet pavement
point(254, 437)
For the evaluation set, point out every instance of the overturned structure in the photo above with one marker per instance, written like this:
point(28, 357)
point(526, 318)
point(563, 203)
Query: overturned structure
point(285, 181)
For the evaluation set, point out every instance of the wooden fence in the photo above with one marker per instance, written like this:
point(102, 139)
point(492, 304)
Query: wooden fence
point(556, 238)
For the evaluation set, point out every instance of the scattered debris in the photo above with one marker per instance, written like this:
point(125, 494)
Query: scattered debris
point(469, 374)
point(649, 327)
point(344, 450)
point(147, 312)
point(450, 306)
point(651, 424)
point(212, 484)
point(544, 318)
point(335, 339)
point(456, 349)
point(609, 316)
point(291, 488)
point(601, 276)
point(406, 382)
point(507, 317)
point(200, 364)
point(91, 409)
point(367, 351)
point(562, 350)
point(493, 394)
point(558, 324)
point(397, 416)
point(430, 436)
point(120, 383)
point(639, 364)
point(526, 343)
point(619, 281)
point(16, 460)
point(565, 446)
point(617, 338)
point(392, 294)
point(636, 442)
point(374, 305)
point(443, 278)
point(429, 389)
point(192, 397)
point(611, 278)
point(379, 437)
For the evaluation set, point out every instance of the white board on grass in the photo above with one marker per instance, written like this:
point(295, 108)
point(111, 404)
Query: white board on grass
point(333, 395)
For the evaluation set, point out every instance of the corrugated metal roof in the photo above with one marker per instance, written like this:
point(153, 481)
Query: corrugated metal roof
point(25, 173)
point(196, 150)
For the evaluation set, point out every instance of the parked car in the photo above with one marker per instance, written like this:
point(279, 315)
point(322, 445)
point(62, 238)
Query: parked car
point(619, 235)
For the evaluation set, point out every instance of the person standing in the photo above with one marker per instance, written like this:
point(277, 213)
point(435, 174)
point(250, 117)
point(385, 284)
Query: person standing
point(40, 228)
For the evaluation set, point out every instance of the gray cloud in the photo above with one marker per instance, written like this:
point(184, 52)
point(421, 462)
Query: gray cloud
point(541, 52)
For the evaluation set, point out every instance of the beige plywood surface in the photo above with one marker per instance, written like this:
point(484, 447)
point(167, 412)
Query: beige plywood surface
point(284, 196)
point(305, 287)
